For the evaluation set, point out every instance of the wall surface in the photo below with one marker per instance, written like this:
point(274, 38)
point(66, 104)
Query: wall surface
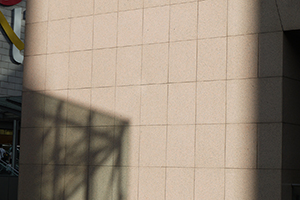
point(11, 73)
point(154, 99)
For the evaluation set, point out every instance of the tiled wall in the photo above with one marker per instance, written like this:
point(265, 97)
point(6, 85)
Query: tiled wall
point(197, 83)
point(11, 73)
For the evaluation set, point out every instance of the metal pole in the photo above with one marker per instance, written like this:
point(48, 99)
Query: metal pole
point(15, 143)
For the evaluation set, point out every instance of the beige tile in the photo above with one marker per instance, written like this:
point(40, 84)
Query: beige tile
point(102, 106)
point(152, 183)
point(57, 71)
point(59, 9)
point(81, 33)
point(102, 147)
point(130, 27)
point(128, 104)
point(155, 63)
point(270, 19)
point(209, 184)
point(211, 102)
point(33, 109)
point(82, 8)
point(243, 17)
point(269, 145)
point(269, 184)
point(153, 146)
point(210, 146)
point(152, 3)
point(180, 183)
point(241, 145)
point(105, 30)
point(77, 145)
point(241, 184)
point(32, 141)
point(52, 185)
point(80, 69)
point(242, 56)
point(154, 104)
point(180, 1)
point(211, 59)
point(30, 189)
point(101, 189)
point(129, 65)
point(104, 67)
point(289, 14)
point(270, 54)
point(78, 107)
point(183, 22)
point(34, 73)
point(156, 25)
point(37, 11)
point(54, 148)
point(127, 145)
point(181, 146)
point(242, 101)
point(130, 4)
point(75, 182)
point(181, 103)
point(58, 36)
point(212, 18)
point(105, 6)
point(182, 65)
point(36, 38)
point(56, 108)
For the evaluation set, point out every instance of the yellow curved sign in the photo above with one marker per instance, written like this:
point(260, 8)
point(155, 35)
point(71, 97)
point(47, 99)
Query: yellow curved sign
point(10, 33)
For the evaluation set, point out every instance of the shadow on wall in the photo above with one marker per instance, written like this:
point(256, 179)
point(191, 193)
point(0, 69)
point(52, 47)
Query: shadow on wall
point(80, 153)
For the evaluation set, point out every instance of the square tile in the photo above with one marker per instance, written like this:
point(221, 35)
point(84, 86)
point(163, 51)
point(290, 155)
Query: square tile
point(128, 104)
point(152, 3)
point(241, 146)
point(180, 1)
point(58, 36)
point(210, 146)
point(104, 67)
point(180, 183)
point(105, 6)
point(152, 183)
point(271, 54)
point(212, 59)
point(102, 146)
point(211, 102)
point(156, 25)
point(181, 103)
point(32, 141)
point(59, 9)
point(242, 56)
point(82, 8)
point(34, 73)
point(105, 30)
point(81, 33)
point(155, 63)
point(154, 104)
point(130, 4)
point(37, 11)
point(181, 146)
point(103, 106)
point(54, 148)
point(101, 180)
point(183, 22)
point(129, 65)
point(130, 28)
point(182, 65)
point(153, 146)
point(75, 182)
point(212, 18)
point(270, 146)
point(52, 185)
point(80, 69)
point(36, 38)
point(79, 107)
point(77, 145)
point(270, 19)
point(56, 107)
point(209, 184)
point(57, 71)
